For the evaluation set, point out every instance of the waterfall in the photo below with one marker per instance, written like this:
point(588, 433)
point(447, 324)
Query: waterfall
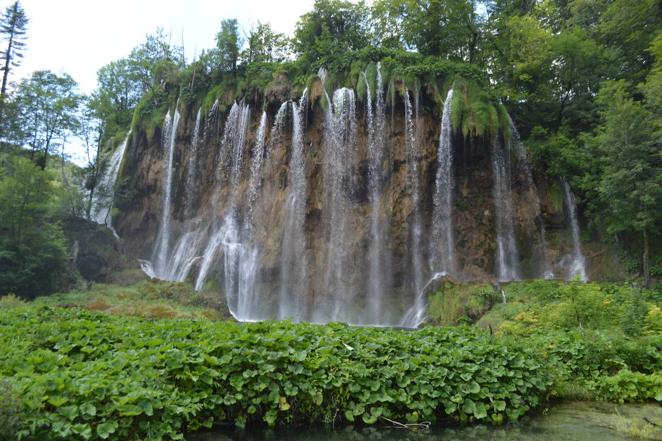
point(577, 266)
point(211, 122)
point(102, 202)
point(190, 186)
point(523, 163)
point(507, 255)
point(175, 264)
point(442, 254)
point(416, 312)
point(226, 234)
point(340, 130)
point(378, 259)
point(293, 286)
point(249, 300)
point(161, 253)
point(256, 169)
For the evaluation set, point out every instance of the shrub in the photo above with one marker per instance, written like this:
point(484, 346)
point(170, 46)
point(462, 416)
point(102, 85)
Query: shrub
point(631, 386)
point(85, 375)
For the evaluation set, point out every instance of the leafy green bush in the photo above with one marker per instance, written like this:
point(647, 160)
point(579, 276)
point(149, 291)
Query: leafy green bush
point(84, 375)
point(631, 386)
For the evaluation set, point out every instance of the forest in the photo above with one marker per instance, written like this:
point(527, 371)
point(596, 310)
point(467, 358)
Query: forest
point(95, 279)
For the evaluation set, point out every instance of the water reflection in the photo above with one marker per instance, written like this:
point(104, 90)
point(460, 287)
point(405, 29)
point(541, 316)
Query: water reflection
point(566, 422)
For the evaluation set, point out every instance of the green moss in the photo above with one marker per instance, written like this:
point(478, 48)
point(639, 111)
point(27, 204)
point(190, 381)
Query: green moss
point(454, 304)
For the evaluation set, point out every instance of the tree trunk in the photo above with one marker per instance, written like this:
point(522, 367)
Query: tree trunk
point(646, 260)
point(5, 74)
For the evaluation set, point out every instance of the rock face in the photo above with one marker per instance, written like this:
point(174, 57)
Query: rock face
point(221, 190)
point(97, 255)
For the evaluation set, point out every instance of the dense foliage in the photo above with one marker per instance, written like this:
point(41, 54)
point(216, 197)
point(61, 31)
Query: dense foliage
point(606, 338)
point(32, 250)
point(83, 375)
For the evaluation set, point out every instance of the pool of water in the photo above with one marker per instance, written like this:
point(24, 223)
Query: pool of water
point(578, 421)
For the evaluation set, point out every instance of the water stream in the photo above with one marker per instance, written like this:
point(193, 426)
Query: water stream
point(577, 261)
point(162, 251)
point(103, 199)
point(442, 253)
point(507, 254)
point(293, 281)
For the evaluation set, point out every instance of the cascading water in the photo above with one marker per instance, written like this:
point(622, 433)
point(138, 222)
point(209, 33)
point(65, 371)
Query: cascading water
point(293, 283)
point(225, 236)
point(336, 292)
point(176, 263)
point(161, 253)
point(102, 202)
point(416, 312)
point(507, 254)
point(191, 186)
point(523, 163)
point(368, 206)
point(577, 265)
point(442, 253)
point(378, 258)
point(249, 304)
point(255, 171)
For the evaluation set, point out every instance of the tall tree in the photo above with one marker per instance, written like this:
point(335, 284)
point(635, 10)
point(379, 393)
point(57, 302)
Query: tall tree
point(265, 45)
point(628, 150)
point(228, 42)
point(48, 111)
point(13, 26)
point(447, 28)
point(154, 62)
point(331, 28)
point(119, 89)
point(32, 249)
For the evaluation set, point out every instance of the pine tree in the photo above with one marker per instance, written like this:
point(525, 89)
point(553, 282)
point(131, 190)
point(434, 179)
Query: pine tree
point(13, 24)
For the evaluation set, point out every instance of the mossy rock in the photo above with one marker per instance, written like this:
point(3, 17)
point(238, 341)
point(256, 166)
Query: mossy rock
point(454, 303)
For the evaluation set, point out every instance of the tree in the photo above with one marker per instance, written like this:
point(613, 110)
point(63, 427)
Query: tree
point(155, 62)
point(91, 133)
point(630, 157)
point(228, 42)
point(48, 111)
point(32, 251)
point(331, 28)
point(118, 92)
point(13, 24)
point(629, 27)
point(265, 45)
point(448, 28)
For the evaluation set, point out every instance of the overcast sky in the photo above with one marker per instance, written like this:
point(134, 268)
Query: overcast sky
point(80, 36)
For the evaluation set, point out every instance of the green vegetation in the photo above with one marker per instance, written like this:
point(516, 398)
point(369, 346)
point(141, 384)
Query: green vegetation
point(13, 23)
point(145, 362)
point(148, 299)
point(605, 338)
point(85, 375)
point(583, 82)
point(32, 250)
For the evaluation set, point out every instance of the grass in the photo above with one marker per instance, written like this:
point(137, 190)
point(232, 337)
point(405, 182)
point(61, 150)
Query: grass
point(149, 299)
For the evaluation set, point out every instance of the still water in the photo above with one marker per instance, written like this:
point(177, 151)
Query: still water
point(579, 421)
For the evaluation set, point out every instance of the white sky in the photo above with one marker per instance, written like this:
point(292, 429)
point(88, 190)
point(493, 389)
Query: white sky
point(80, 36)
